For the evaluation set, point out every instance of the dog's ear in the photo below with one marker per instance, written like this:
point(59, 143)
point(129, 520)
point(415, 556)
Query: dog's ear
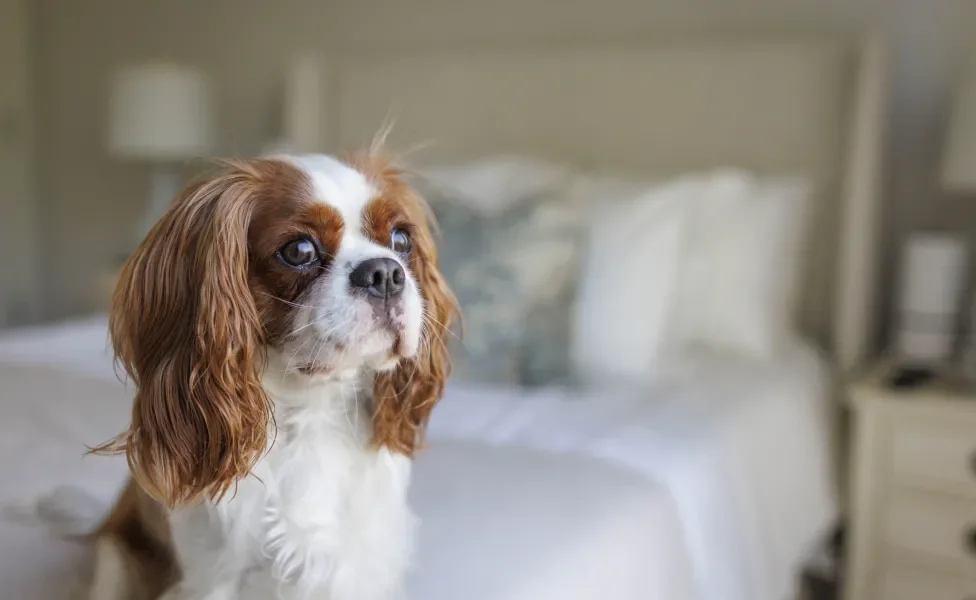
point(186, 330)
point(403, 398)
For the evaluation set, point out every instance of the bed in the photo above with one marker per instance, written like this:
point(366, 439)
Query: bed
point(741, 447)
point(461, 491)
point(772, 104)
point(553, 492)
point(545, 493)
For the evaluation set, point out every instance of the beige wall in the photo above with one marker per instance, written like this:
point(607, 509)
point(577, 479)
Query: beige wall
point(91, 200)
point(18, 278)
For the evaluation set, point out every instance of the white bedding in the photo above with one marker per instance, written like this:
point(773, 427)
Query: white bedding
point(80, 346)
point(722, 479)
point(742, 446)
point(511, 523)
point(498, 523)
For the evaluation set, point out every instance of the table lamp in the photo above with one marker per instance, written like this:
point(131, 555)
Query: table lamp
point(159, 114)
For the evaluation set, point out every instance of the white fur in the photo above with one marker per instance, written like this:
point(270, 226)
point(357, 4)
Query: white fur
point(111, 577)
point(336, 325)
point(337, 184)
point(323, 515)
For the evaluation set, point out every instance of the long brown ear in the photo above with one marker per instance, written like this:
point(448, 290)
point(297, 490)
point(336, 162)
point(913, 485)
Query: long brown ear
point(404, 398)
point(185, 328)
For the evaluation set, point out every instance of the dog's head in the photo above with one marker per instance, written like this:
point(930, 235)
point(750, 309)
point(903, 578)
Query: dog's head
point(318, 267)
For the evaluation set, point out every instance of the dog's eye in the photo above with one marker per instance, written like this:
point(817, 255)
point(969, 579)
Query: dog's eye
point(299, 252)
point(400, 241)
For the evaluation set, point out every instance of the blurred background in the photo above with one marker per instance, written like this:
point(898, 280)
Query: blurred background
point(60, 57)
point(737, 234)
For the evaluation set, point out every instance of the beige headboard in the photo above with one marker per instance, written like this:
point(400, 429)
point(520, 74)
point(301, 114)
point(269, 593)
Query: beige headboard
point(812, 106)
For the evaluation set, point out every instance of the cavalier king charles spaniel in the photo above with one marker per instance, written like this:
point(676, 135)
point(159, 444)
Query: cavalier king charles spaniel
point(284, 325)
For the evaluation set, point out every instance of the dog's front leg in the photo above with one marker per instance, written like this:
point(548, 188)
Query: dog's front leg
point(211, 567)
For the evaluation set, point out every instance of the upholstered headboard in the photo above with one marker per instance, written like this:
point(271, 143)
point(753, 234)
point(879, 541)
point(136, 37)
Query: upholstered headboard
point(812, 106)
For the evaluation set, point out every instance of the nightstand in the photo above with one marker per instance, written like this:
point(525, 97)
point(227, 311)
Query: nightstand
point(912, 526)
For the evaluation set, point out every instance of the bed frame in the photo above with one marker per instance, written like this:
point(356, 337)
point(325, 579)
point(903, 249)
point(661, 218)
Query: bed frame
point(812, 105)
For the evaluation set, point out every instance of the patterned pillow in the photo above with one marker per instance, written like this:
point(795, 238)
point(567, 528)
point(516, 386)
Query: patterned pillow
point(514, 274)
point(547, 341)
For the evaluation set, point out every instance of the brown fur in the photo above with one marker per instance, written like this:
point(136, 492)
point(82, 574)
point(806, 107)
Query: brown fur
point(139, 527)
point(403, 399)
point(186, 328)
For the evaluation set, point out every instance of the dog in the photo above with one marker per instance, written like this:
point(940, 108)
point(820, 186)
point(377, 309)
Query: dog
point(284, 325)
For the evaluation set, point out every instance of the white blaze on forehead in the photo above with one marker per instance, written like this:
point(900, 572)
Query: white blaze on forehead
point(337, 184)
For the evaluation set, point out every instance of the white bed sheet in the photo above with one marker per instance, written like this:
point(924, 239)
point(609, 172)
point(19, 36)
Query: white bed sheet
point(513, 523)
point(47, 418)
point(80, 346)
point(742, 446)
point(498, 523)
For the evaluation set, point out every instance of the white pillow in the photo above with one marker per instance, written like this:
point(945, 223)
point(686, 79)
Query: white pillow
point(739, 274)
point(493, 185)
point(627, 285)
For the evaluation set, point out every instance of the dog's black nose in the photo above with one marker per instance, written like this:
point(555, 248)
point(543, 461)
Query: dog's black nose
point(380, 277)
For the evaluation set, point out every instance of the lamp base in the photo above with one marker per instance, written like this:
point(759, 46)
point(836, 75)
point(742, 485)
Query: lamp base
point(164, 185)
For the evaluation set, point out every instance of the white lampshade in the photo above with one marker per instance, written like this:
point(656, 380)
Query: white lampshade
point(959, 160)
point(934, 267)
point(160, 112)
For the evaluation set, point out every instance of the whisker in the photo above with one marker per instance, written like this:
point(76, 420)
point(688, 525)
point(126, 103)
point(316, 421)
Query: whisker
point(416, 367)
point(288, 302)
point(330, 256)
point(294, 355)
point(314, 322)
point(345, 408)
point(292, 366)
point(356, 409)
point(447, 329)
point(379, 403)
point(321, 347)
point(425, 341)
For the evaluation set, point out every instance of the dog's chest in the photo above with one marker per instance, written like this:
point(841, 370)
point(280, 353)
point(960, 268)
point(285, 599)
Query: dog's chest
point(329, 513)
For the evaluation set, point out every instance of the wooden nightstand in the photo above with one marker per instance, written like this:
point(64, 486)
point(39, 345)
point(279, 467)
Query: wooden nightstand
point(912, 530)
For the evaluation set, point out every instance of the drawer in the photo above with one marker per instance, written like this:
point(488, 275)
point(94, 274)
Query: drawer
point(938, 530)
point(937, 453)
point(898, 583)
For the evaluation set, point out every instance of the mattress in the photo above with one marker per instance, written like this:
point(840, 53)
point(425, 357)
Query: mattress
point(742, 446)
point(498, 522)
